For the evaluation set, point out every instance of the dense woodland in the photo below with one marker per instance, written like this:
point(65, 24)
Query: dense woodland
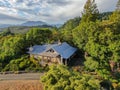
point(95, 34)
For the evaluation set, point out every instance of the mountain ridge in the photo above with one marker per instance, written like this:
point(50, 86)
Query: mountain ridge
point(33, 23)
point(27, 23)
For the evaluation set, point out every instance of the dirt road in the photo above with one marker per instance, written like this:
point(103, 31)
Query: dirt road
point(25, 81)
point(23, 76)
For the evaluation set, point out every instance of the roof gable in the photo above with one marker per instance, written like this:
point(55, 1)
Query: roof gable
point(37, 49)
point(63, 49)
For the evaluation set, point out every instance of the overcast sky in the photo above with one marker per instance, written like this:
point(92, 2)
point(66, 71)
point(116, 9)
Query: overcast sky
point(50, 11)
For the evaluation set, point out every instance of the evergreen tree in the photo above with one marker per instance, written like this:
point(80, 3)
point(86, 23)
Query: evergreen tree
point(118, 5)
point(66, 29)
point(90, 12)
point(38, 36)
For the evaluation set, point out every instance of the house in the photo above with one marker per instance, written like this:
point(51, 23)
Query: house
point(60, 53)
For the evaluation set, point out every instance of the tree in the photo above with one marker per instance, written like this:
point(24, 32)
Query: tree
point(100, 39)
point(6, 32)
point(55, 34)
point(115, 17)
point(66, 29)
point(104, 16)
point(91, 64)
point(118, 5)
point(11, 47)
point(38, 36)
point(85, 32)
point(62, 78)
point(22, 63)
point(114, 24)
point(90, 12)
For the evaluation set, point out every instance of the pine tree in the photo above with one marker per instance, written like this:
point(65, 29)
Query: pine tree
point(118, 5)
point(90, 12)
point(115, 19)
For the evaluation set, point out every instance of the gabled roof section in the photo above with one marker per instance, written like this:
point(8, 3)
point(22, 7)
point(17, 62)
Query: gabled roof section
point(36, 49)
point(65, 50)
point(50, 46)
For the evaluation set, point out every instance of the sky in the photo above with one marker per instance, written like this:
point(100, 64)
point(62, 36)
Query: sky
point(50, 11)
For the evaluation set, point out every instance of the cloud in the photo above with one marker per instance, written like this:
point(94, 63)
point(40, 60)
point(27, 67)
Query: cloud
point(59, 2)
point(6, 18)
point(106, 5)
point(51, 11)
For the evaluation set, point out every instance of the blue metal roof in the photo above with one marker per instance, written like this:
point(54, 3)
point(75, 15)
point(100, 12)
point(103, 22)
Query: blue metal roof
point(63, 49)
point(50, 46)
point(37, 49)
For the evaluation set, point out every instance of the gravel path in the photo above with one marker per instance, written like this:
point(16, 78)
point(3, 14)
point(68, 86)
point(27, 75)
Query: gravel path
point(23, 76)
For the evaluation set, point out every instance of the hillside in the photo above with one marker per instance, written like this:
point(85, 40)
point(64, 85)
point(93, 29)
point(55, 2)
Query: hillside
point(23, 29)
point(33, 23)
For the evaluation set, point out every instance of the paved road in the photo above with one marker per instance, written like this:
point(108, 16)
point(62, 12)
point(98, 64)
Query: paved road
point(23, 76)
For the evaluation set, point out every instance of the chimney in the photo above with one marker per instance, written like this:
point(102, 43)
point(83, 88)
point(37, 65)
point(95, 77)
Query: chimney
point(59, 42)
point(30, 48)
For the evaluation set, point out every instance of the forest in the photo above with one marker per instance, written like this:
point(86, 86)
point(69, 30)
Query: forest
point(95, 34)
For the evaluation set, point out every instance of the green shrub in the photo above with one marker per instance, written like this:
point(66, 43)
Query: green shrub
point(118, 87)
point(117, 75)
point(104, 73)
point(91, 64)
point(23, 63)
point(60, 77)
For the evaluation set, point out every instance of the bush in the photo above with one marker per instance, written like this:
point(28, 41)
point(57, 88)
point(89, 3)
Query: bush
point(118, 87)
point(23, 63)
point(62, 78)
point(91, 64)
point(117, 75)
point(106, 85)
point(104, 73)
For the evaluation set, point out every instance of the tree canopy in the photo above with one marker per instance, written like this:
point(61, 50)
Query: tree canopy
point(62, 78)
point(90, 12)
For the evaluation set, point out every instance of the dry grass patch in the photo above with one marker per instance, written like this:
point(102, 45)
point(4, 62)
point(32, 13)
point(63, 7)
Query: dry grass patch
point(21, 85)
